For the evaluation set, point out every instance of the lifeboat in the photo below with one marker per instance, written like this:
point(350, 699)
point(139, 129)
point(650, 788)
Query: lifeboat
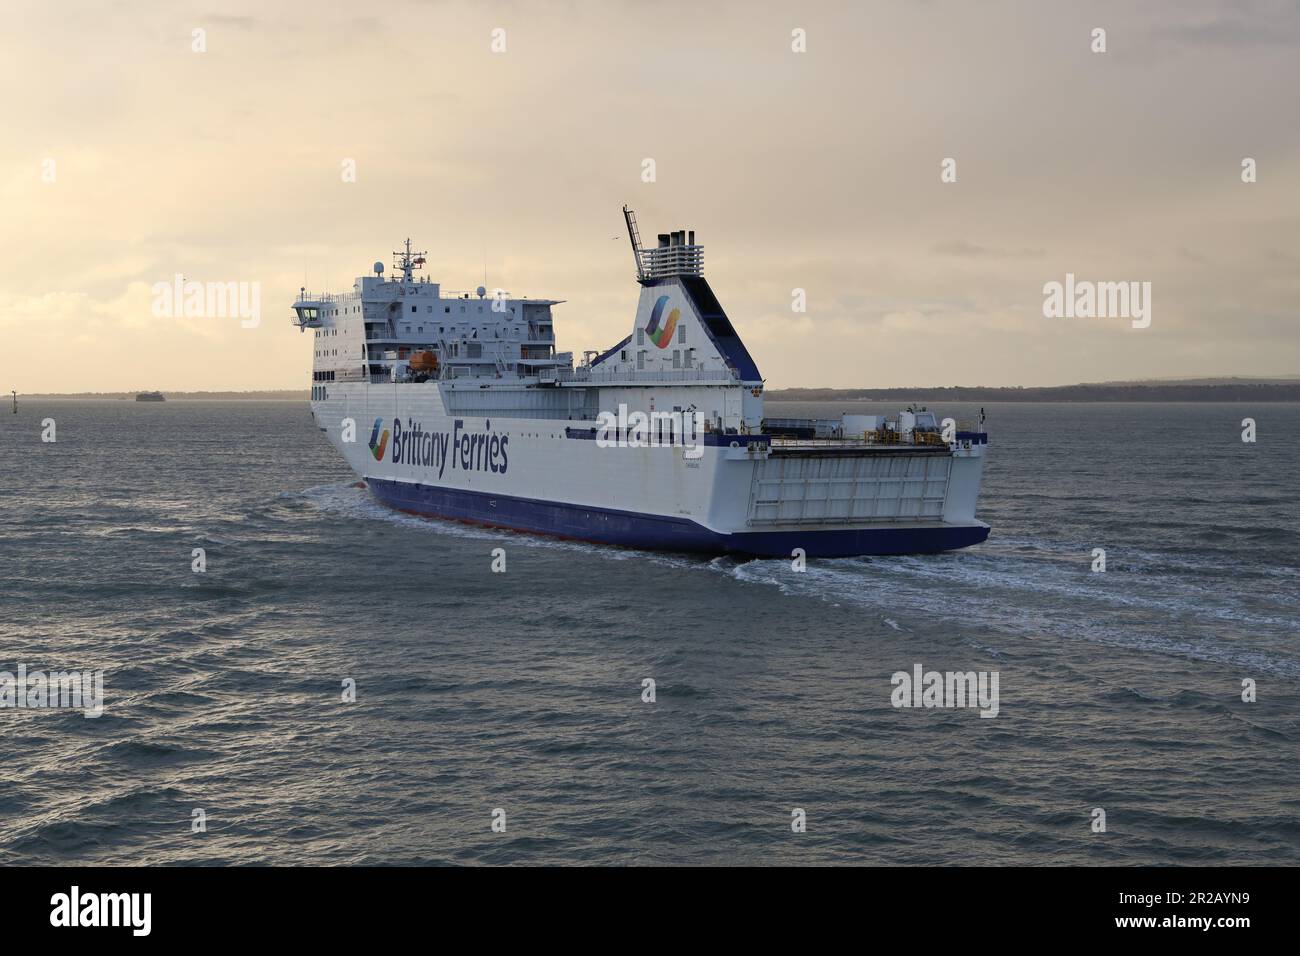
point(424, 361)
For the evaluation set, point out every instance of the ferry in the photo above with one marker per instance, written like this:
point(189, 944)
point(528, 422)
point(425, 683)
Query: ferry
point(458, 405)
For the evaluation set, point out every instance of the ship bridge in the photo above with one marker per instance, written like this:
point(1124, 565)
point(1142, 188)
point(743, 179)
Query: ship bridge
point(406, 328)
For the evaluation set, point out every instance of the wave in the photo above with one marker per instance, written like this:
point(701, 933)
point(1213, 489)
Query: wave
point(1147, 601)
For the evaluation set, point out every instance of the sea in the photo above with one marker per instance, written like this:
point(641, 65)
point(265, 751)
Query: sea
point(293, 674)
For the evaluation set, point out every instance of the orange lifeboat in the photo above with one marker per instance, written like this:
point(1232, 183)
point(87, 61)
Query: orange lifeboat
point(424, 361)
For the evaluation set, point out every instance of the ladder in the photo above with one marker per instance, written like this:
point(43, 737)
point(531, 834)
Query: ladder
point(635, 237)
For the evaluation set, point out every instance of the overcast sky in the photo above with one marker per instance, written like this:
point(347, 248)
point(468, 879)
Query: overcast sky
point(817, 170)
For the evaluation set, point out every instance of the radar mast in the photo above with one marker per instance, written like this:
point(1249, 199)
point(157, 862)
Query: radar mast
point(408, 261)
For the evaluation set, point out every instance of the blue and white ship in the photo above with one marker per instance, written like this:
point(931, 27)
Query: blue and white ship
point(457, 405)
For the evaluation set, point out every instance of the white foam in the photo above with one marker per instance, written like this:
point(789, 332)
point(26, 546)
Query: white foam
point(1049, 592)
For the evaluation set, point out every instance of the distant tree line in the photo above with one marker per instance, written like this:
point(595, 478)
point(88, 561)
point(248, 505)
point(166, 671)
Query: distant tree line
point(1057, 393)
point(288, 394)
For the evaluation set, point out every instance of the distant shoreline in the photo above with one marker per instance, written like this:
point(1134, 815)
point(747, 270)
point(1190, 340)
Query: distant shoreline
point(1226, 391)
point(269, 395)
point(1119, 392)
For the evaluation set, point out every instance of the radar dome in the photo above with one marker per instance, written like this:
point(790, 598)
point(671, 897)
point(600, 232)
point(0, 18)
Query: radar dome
point(481, 291)
point(379, 268)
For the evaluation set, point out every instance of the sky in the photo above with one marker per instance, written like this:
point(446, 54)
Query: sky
point(128, 156)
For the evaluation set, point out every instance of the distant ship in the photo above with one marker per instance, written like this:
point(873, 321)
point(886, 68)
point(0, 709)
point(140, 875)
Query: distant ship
point(658, 442)
point(150, 397)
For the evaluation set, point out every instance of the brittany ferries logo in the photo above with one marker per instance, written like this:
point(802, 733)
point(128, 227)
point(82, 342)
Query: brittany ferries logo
point(661, 336)
point(378, 442)
point(461, 448)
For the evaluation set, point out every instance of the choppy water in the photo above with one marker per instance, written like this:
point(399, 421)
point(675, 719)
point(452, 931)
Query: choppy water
point(523, 690)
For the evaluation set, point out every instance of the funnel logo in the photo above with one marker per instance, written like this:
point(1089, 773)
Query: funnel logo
point(378, 442)
point(662, 336)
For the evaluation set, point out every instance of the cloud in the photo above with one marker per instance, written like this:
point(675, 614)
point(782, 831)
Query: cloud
point(227, 20)
point(817, 171)
point(962, 248)
point(1245, 26)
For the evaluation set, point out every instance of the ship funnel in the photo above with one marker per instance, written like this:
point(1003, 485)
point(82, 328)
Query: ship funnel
point(676, 255)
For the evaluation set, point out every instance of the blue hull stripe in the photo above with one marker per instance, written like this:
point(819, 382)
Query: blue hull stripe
point(655, 532)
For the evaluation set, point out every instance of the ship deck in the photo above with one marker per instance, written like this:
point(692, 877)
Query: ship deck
point(848, 448)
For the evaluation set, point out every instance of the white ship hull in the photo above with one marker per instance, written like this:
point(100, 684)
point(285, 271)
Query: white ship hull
point(760, 497)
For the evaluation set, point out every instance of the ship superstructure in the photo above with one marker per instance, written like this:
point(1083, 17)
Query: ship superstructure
point(457, 405)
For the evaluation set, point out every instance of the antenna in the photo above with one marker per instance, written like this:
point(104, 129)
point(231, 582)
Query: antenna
point(635, 238)
point(408, 261)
